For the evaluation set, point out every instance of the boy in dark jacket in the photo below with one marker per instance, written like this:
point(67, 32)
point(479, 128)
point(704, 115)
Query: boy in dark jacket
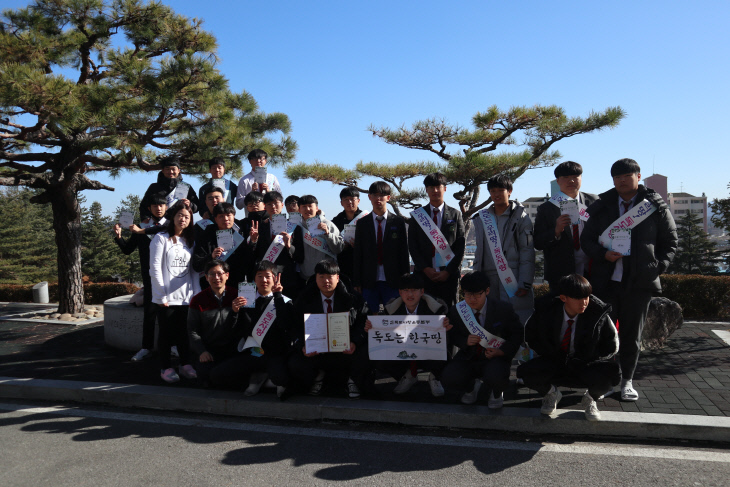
point(141, 241)
point(213, 325)
point(267, 331)
point(627, 280)
point(412, 300)
point(217, 167)
point(575, 339)
point(488, 333)
point(328, 295)
point(167, 183)
point(350, 200)
point(208, 249)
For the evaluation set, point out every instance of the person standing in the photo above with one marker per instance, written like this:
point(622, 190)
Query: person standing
point(555, 234)
point(627, 265)
point(173, 285)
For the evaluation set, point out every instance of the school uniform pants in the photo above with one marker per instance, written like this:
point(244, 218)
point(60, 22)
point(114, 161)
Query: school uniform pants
point(236, 371)
point(459, 374)
point(629, 307)
point(598, 377)
point(150, 316)
point(173, 330)
point(443, 290)
point(303, 370)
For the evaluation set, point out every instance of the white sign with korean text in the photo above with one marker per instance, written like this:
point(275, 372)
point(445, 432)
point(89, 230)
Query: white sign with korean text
point(407, 337)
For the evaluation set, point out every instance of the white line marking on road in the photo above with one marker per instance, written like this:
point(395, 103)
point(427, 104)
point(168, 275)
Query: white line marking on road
point(724, 335)
point(588, 449)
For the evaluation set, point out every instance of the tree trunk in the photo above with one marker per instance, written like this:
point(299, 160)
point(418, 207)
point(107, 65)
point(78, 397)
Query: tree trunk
point(67, 226)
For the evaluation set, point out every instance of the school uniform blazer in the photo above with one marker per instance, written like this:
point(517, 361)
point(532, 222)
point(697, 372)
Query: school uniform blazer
point(289, 275)
point(310, 301)
point(559, 253)
point(452, 226)
point(278, 339)
point(501, 320)
point(395, 251)
point(213, 326)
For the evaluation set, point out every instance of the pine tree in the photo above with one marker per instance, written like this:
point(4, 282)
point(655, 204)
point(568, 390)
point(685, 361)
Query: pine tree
point(100, 256)
point(696, 254)
point(111, 85)
point(27, 248)
point(468, 158)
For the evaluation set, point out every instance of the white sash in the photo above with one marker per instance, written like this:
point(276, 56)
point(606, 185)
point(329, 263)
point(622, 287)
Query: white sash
point(317, 243)
point(629, 220)
point(491, 233)
point(560, 196)
point(354, 220)
point(261, 329)
point(467, 316)
point(150, 224)
point(276, 247)
point(434, 234)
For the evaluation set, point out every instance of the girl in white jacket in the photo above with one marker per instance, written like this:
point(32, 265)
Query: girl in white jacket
point(173, 285)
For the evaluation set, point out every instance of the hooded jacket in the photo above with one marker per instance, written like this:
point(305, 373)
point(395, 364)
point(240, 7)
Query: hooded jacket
point(653, 242)
point(596, 337)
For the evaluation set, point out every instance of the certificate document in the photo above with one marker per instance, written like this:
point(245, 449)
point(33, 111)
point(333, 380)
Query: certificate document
point(621, 241)
point(326, 332)
point(181, 191)
point(259, 175)
point(225, 239)
point(126, 219)
point(247, 290)
point(570, 208)
point(278, 223)
point(312, 224)
point(348, 233)
point(295, 218)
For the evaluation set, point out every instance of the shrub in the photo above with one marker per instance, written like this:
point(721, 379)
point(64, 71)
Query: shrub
point(701, 297)
point(94, 293)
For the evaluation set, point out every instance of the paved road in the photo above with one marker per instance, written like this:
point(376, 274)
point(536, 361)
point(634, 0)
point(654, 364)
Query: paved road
point(59, 446)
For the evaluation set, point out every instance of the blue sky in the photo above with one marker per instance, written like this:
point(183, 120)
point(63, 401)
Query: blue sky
point(336, 67)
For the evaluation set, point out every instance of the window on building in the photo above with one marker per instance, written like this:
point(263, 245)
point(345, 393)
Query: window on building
point(697, 201)
point(680, 212)
point(698, 212)
point(681, 202)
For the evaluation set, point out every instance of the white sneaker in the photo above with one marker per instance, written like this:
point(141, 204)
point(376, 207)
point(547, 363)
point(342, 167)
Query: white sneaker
point(437, 390)
point(254, 384)
point(269, 384)
point(317, 385)
point(140, 355)
point(550, 401)
point(591, 408)
point(471, 397)
point(173, 351)
point(352, 390)
point(405, 384)
point(495, 402)
point(628, 393)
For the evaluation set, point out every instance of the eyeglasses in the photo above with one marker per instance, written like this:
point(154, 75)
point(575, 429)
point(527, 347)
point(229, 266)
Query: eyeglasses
point(217, 274)
point(469, 295)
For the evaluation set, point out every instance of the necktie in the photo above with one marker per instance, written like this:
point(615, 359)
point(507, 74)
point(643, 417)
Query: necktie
point(329, 305)
point(435, 222)
point(380, 238)
point(576, 238)
point(565, 343)
point(627, 205)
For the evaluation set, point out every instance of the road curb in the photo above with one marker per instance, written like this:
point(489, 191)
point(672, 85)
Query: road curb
point(522, 420)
